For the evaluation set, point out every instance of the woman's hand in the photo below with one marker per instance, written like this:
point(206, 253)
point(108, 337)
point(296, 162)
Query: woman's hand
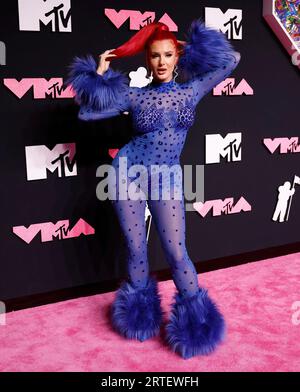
point(103, 62)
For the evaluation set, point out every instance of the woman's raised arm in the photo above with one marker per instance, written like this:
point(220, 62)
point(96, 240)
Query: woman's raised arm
point(207, 58)
point(100, 91)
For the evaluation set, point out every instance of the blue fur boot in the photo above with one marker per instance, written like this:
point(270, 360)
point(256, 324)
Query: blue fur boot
point(195, 326)
point(136, 313)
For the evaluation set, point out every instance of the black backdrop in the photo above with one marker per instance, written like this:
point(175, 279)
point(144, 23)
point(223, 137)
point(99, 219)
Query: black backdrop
point(44, 266)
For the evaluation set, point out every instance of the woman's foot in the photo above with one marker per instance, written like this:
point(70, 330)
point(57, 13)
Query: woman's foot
point(196, 326)
point(136, 312)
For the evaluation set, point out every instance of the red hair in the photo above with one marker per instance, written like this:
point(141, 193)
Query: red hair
point(143, 38)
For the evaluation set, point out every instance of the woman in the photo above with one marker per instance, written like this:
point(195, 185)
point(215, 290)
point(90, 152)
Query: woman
point(162, 113)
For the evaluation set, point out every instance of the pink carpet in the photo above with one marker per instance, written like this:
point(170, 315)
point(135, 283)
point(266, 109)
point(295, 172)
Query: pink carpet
point(75, 335)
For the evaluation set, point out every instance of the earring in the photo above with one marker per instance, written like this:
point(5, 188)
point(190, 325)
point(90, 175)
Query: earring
point(150, 77)
point(176, 73)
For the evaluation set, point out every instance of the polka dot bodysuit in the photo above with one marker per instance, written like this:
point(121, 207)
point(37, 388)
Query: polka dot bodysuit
point(162, 114)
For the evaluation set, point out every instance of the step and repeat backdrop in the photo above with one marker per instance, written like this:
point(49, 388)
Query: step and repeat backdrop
point(243, 147)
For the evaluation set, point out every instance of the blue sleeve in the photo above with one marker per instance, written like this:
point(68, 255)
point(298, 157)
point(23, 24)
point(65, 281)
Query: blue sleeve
point(207, 58)
point(99, 96)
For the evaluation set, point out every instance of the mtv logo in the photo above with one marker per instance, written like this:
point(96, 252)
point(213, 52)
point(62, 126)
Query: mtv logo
point(40, 161)
point(229, 22)
point(286, 145)
point(222, 207)
point(42, 88)
point(50, 231)
point(284, 19)
point(227, 87)
point(53, 13)
point(228, 147)
point(137, 19)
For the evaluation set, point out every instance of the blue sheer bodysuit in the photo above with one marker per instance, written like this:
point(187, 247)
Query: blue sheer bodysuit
point(162, 114)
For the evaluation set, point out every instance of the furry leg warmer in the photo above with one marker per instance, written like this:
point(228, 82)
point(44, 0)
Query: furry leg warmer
point(136, 313)
point(196, 326)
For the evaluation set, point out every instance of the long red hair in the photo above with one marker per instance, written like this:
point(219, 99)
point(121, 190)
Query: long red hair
point(143, 38)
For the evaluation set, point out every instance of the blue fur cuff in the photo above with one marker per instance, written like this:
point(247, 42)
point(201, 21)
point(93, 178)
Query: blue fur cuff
point(98, 92)
point(205, 50)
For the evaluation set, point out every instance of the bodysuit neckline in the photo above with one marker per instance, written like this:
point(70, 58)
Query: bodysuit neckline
point(162, 85)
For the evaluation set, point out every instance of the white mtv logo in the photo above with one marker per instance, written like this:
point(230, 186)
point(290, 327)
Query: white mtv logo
point(229, 23)
point(228, 147)
point(56, 13)
point(40, 158)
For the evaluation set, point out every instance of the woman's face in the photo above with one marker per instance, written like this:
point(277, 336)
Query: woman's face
point(162, 58)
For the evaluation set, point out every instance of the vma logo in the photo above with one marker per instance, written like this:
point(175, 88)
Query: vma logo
point(42, 88)
point(227, 88)
point(287, 145)
point(228, 147)
point(40, 160)
point(36, 15)
point(137, 19)
point(50, 231)
point(222, 207)
point(230, 22)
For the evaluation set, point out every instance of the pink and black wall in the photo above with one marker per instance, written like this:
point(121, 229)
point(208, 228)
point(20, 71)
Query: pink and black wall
point(57, 239)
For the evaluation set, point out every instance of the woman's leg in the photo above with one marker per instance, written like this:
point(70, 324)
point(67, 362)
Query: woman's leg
point(169, 219)
point(136, 310)
point(195, 325)
point(131, 215)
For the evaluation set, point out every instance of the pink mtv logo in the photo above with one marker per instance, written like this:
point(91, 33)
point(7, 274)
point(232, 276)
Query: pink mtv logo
point(49, 230)
point(222, 207)
point(286, 144)
point(227, 88)
point(42, 88)
point(137, 19)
